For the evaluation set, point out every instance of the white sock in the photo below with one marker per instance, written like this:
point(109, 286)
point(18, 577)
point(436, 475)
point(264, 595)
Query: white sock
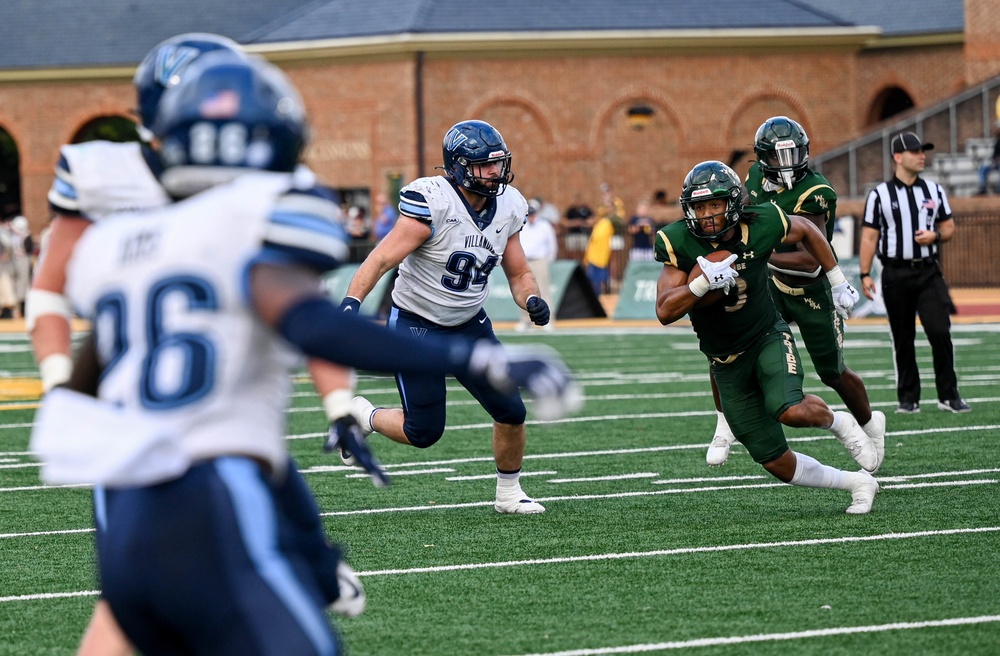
point(722, 426)
point(508, 482)
point(810, 472)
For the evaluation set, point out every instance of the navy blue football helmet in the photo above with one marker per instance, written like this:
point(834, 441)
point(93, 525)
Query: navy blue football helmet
point(229, 113)
point(782, 149)
point(470, 144)
point(706, 181)
point(164, 65)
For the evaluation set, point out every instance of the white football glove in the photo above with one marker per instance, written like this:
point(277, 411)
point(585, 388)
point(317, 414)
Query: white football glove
point(538, 370)
point(718, 275)
point(844, 295)
point(352, 599)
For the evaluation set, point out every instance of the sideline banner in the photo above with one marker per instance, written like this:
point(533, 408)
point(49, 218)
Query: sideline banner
point(637, 299)
point(573, 297)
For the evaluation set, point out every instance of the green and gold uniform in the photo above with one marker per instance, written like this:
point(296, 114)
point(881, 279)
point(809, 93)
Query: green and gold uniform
point(750, 348)
point(809, 303)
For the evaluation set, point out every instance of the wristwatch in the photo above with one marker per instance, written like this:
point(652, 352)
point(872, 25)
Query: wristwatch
point(866, 275)
point(937, 236)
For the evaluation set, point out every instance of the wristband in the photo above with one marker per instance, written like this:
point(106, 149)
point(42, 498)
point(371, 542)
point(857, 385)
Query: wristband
point(836, 276)
point(937, 236)
point(337, 404)
point(866, 275)
point(699, 286)
point(55, 370)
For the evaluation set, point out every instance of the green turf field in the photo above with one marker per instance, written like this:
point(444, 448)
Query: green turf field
point(643, 548)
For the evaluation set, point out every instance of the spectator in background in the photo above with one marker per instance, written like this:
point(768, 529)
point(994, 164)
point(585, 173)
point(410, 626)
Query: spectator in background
point(548, 211)
point(22, 249)
point(663, 210)
point(8, 299)
point(611, 207)
point(990, 165)
point(385, 216)
point(358, 227)
point(576, 225)
point(538, 239)
point(642, 227)
point(598, 255)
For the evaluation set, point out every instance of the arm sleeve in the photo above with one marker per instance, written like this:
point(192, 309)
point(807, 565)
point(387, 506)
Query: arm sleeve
point(320, 330)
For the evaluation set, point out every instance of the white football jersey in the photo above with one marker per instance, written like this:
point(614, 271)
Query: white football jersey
point(96, 179)
point(167, 293)
point(445, 279)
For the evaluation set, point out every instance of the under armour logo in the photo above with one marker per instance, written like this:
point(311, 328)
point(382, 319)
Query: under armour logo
point(718, 277)
point(749, 255)
point(418, 332)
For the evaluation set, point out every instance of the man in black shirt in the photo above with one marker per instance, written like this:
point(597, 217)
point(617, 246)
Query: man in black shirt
point(906, 219)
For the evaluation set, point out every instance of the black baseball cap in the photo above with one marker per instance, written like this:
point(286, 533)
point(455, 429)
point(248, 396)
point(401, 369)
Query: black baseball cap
point(909, 141)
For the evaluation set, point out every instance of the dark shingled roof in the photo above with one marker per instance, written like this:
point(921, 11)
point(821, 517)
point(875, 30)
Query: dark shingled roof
point(85, 33)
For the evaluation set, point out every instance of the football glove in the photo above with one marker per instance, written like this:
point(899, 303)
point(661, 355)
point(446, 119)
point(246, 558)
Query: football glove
point(844, 295)
point(350, 304)
point(352, 599)
point(537, 370)
point(345, 435)
point(538, 310)
point(719, 275)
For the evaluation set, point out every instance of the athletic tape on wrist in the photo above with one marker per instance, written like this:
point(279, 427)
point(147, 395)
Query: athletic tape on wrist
point(55, 370)
point(699, 286)
point(836, 276)
point(337, 404)
point(41, 302)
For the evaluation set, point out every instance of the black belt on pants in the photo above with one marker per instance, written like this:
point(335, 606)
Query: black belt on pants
point(911, 264)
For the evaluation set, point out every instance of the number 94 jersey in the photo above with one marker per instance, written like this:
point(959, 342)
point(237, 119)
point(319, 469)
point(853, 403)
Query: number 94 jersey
point(445, 279)
point(177, 338)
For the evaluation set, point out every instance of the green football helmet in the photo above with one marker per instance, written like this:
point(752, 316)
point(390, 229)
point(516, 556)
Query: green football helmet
point(709, 180)
point(782, 149)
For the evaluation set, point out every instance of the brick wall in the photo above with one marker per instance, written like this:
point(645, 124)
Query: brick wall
point(563, 113)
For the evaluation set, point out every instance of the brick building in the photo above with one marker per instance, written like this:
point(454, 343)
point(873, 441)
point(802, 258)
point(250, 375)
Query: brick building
point(629, 93)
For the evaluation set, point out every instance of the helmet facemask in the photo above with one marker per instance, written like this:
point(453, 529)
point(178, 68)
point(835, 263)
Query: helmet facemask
point(782, 149)
point(477, 184)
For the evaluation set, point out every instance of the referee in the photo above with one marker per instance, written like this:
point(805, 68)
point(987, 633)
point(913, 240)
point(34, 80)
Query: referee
point(906, 219)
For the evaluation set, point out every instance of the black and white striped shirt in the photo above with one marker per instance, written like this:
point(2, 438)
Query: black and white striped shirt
point(897, 211)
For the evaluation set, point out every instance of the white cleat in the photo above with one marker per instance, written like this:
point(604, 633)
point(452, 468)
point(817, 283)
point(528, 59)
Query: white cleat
point(863, 492)
point(875, 429)
point(517, 503)
point(718, 450)
point(856, 441)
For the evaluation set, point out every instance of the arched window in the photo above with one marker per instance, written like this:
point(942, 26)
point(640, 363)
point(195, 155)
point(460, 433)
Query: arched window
point(10, 176)
point(888, 103)
point(107, 128)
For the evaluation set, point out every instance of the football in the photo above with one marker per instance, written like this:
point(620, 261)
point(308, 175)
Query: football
point(713, 296)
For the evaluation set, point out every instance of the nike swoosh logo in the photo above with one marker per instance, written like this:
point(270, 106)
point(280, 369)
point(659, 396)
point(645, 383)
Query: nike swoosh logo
point(499, 230)
point(483, 320)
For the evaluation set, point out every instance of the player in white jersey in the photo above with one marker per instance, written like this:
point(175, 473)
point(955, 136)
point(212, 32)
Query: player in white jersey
point(195, 307)
point(452, 232)
point(99, 179)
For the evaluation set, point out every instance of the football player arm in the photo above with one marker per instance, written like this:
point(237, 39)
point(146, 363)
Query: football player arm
point(519, 277)
point(404, 238)
point(866, 256)
point(335, 386)
point(804, 232)
point(673, 296)
point(799, 259)
point(47, 311)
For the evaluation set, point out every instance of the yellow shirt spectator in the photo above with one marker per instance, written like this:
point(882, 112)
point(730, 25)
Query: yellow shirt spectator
point(599, 246)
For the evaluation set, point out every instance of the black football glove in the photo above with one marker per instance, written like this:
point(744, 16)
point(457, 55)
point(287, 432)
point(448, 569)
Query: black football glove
point(345, 435)
point(538, 310)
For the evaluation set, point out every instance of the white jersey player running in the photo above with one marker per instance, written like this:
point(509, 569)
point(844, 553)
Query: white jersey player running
point(452, 232)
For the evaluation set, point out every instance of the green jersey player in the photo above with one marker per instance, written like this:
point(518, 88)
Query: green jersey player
point(751, 351)
point(782, 175)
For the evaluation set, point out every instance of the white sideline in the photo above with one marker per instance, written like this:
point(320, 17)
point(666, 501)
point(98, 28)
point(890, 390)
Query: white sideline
point(608, 556)
point(771, 637)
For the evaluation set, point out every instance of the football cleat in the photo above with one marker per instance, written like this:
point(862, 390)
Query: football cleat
point(875, 429)
point(718, 450)
point(863, 491)
point(515, 502)
point(857, 442)
point(362, 410)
